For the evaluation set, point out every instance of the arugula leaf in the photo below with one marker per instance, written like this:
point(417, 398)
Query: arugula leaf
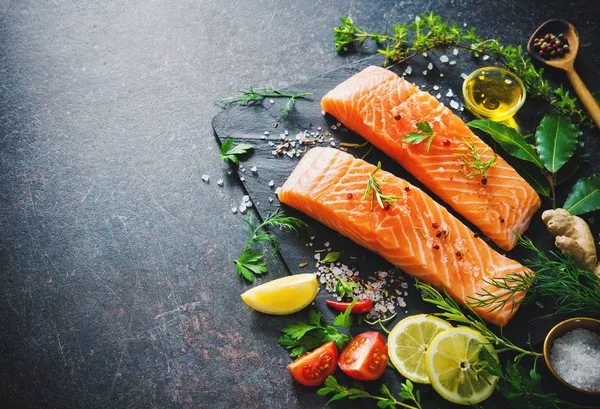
point(231, 153)
point(584, 196)
point(331, 257)
point(344, 288)
point(510, 140)
point(248, 263)
point(416, 138)
point(556, 141)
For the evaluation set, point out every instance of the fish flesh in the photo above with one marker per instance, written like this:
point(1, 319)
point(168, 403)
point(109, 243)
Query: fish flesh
point(414, 233)
point(384, 108)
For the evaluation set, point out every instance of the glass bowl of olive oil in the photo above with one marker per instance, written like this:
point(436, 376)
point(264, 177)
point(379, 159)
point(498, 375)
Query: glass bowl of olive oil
point(493, 93)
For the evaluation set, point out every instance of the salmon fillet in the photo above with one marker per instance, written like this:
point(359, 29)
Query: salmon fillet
point(383, 108)
point(415, 234)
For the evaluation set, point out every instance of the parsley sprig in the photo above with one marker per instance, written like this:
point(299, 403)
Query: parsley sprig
point(388, 400)
point(230, 153)
point(301, 337)
point(251, 94)
point(373, 191)
point(473, 159)
point(253, 262)
point(417, 137)
point(429, 32)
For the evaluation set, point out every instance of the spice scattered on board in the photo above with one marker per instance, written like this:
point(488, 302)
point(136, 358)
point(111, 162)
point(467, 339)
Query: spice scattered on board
point(576, 358)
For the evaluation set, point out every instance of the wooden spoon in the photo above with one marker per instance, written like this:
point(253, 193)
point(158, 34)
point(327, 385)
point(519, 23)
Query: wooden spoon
point(566, 62)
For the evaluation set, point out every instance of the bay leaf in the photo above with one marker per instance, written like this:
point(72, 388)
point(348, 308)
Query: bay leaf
point(584, 196)
point(556, 141)
point(510, 140)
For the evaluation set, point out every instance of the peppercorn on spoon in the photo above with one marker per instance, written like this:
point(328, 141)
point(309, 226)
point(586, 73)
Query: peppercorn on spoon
point(566, 62)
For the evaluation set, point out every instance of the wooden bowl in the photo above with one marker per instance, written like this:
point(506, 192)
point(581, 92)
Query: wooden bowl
point(558, 331)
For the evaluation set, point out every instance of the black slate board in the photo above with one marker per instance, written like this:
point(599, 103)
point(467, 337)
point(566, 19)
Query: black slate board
point(249, 123)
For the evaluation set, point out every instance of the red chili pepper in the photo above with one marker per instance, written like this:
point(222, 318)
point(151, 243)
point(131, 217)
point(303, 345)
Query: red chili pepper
point(359, 308)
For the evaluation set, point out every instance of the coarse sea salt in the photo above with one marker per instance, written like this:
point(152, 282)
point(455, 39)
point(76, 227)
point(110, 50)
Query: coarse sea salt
point(206, 178)
point(576, 358)
point(220, 182)
point(444, 58)
point(430, 66)
point(454, 104)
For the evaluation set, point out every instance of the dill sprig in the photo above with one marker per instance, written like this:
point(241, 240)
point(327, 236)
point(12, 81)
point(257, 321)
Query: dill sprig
point(388, 400)
point(373, 191)
point(473, 159)
point(253, 262)
point(451, 311)
point(429, 32)
point(574, 290)
point(251, 94)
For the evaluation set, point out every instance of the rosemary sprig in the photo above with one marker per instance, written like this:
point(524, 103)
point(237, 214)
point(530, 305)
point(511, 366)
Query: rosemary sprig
point(407, 393)
point(429, 32)
point(373, 191)
point(251, 94)
point(451, 311)
point(253, 262)
point(417, 137)
point(575, 290)
point(473, 159)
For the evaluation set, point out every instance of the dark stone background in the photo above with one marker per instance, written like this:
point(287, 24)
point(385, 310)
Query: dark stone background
point(117, 282)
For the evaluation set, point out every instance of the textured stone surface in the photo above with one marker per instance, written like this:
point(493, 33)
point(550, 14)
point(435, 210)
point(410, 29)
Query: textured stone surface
point(118, 288)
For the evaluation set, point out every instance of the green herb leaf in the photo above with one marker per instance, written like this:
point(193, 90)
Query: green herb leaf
point(510, 140)
point(416, 138)
point(331, 257)
point(231, 153)
point(556, 141)
point(534, 177)
point(344, 319)
point(248, 263)
point(345, 288)
point(584, 196)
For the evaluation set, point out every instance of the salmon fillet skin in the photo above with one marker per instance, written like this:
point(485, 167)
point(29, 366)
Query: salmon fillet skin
point(415, 233)
point(383, 108)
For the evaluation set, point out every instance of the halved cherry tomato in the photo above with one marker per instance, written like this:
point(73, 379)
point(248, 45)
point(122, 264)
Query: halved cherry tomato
point(313, 368)
point(365, 357)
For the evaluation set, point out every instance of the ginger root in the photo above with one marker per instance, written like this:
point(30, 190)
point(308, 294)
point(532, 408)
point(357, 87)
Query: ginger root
point(573, 237)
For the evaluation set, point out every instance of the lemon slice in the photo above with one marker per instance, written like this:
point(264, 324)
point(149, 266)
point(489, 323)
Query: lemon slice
point(408, 341)
point(450, 363)
point(284, 295)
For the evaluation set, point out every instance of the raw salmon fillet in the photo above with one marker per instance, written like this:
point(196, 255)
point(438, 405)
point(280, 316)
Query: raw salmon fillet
point(415, 234)
point(383, 108)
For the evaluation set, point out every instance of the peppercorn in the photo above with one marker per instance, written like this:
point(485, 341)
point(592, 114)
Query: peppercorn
point(386, 207)
point(436, 246)
point(446, 142)
point(407, 189)
point(501, 220)
point(435, 225)
point(458, 254)
point(438, 234)
point(398, 117)
point(349, 196)
point(484, 181)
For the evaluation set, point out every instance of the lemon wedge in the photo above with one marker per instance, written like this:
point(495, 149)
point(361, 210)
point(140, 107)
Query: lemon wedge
point(284, 295)
point(408, 342)
point(451, 362)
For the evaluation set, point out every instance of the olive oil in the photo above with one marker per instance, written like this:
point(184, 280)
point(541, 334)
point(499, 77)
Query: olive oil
point(493, 93)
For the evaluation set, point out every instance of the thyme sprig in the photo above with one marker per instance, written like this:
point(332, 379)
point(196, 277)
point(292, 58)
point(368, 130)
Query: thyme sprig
point(252, 262)
point(473, 159)
point(429, 32)
point(373, 191)
point(575, 290)
point(451, 311)
point(251, 94)
point(388, 400)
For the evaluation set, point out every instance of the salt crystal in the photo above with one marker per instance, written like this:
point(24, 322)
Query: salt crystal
point(266, 133)
point(408, 70)
point(425, 72)
point(248, 204)
point(253, 169)
point(205, 178)
point(441, 75)
point(576, 358)
point(271, 143)
point(234, 210)
point(332, 143)
point(450, 93)
point(326, 244)
point(455, 51)
point(430, 66)
point(286, 132)
point(242, 178)
point(271, 183)
point(452, 62)
point(323, 113)
point(270, 199)
point(272, 101)
point(444, 58)
point(438, 96)
point(220, 182)
point(243, 170)
point(436, 87)
point(290, 154)
point(424, 55)
point(263, 137)
point(486, 57)
point(277, 190)
point(274, 153)
point(464, 24)
point(245, 198)
point(242, 208)
point(454, 104)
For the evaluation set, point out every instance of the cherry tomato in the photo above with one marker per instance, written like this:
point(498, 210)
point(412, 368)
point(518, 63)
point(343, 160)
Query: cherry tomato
point(313, 368)
point(365, 357)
